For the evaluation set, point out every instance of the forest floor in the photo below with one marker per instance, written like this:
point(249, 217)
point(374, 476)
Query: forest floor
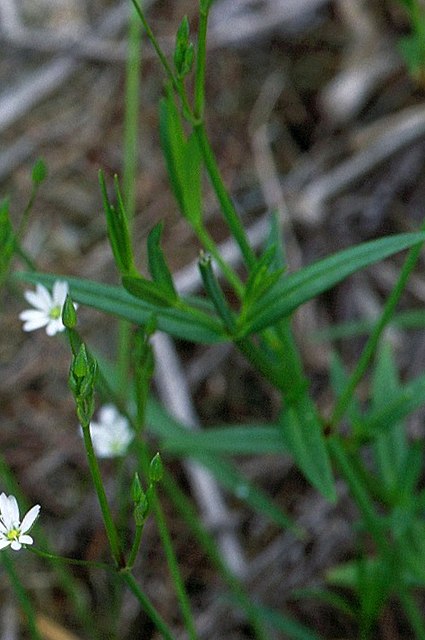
point(312, 113)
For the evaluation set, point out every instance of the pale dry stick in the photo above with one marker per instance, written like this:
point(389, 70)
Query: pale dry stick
point(9, 621)
point(367, 63)
point(175, 395)
point(397, 132)
point(270, 183)
point(18, 101)
point(16, 154)
point(81, 45)
point(234, 22)
point(264, 161)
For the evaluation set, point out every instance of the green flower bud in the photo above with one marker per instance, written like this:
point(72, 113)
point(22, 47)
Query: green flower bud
point(69, 314)
point(156, 469)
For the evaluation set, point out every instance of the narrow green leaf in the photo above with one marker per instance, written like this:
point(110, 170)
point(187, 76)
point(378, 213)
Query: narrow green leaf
point(229, 477)
point(411, 319)
point(157, 264)
point(160, 423)
point(302, 434)
point(183, 160)
point(7, 239)
point(291, 629)
point(149, 292)
point(390, 447)
point(246, 439)
point(296, 289)
point(339, 379)
point(116, 301)
point(39, 172)
point(407, 399)
point(118, 232)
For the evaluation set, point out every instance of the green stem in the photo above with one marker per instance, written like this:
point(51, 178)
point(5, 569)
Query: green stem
point(209, 244)
point(111, 531)
point(75, 561)
point(207, 543)
point(161, 55)
point(131, 583)
point(372, 342)
point(65, 579)
point(131, 145)
point(22, 595)
point(131, 116)
point(227, 207)
point(359, 492)
point(201, 64)
point(135, 548)
point(413, 614)
point(167, 545)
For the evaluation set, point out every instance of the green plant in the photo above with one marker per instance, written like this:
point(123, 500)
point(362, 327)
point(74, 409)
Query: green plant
point(387, 493)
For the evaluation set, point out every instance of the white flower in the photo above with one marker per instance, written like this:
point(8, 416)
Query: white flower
point(112, 434)
point(13, 532)
point(48, 308)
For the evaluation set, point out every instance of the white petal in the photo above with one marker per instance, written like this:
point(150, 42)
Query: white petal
point(16, 546)
point(3, 529)
point(54, 326)
point(4, 542)
point(30, 518)
point(25, 539)
point(40, 299)
point(108, 414)
point(60, 290)
point(9, 511)
point(33, 314)
point(34, 320)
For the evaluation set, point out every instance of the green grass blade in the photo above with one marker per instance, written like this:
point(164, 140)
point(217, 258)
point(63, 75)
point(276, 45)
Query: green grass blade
point(296, 289)
point(391, 447)
point(241, 440)
point(291, 629)
point(303, 435)
point(410, 397)
point(116, 301)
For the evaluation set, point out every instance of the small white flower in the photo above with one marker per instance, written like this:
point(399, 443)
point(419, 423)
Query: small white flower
point(47, 310)
point(112, 434)
point(13, 532)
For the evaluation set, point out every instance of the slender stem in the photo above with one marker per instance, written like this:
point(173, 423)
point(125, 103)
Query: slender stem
point(160, 624)
point(161, 55)
point(413, 614)
point(201, 64)
point(131, 145)
point(66, 580)
point(230, 214)
point(359, 492)
point(207, 543)
point(135, 548)
point(168, 547)
point(75, 561)
point(111, 531)
point(22, 596)
point(131, 116)
point(226, 269)
point(371, 344)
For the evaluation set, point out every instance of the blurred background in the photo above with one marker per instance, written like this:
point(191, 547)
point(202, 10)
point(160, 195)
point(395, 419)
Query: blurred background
point(312, 112)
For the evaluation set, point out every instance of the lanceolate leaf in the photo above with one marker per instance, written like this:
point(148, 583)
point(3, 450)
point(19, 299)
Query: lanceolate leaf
point(116, 301)
point(400, 404)
point(157, 264)
point(182, 157)
point(231, 440)
point(163, 425)
point(302, 434)
point(295, 289)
